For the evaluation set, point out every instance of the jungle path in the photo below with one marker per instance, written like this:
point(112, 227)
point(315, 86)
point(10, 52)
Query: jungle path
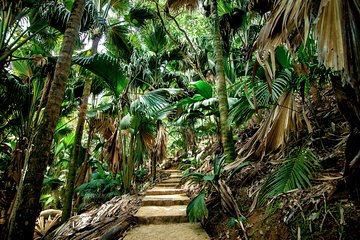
point(163, 214)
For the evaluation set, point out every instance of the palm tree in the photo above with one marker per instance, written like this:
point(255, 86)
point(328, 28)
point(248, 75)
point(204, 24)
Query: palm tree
point(226, 134)
point(27, 207)
point(98, 30)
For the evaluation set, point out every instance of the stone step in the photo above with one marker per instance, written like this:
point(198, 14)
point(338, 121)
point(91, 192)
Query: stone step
point(165, 200)
point(170, 171)
point(175, 176)
point(164, 191)
point(160, 215)
point(179, 231)
point(171, 180)
point(169, 185)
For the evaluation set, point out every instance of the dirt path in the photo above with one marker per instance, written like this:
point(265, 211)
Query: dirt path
point(163, 214)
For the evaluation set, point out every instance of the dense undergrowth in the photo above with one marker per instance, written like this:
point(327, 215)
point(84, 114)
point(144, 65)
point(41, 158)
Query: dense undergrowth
point(325, 208)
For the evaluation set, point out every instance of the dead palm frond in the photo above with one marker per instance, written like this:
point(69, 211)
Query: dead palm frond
point(160, 143)
point(46, 222)
point(336, 28)
point(289, 23)
point(178, 4)
point(282, 121)
point(338, 33)
point(114, 152)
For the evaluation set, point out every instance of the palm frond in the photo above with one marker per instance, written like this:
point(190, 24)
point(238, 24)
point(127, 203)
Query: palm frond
point(155, 38)
point(113, 78)
point(244, 109)
point(118, 38)
point(58, 15)
point(296, 172)
point(196, 210)
point(338, 31)
point(275, 130)
point(160, 143)
point(15, 100)
point(154, 103)
point(203, 88)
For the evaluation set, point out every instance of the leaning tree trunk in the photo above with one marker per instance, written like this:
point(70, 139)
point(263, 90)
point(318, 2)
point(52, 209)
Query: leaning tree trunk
point(226, 134)
point(27, 206)
point(69, 191)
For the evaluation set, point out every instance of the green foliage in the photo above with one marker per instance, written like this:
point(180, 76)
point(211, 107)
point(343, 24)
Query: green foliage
point(52, 182)
point(232, 222)
point(141, 174)
point(196, 209)
point(138, 15)
point(113, 78)
point(154, 103)
point(155, 38)
point(213, 177)
point(244, 107)
point(203, 88)
point(117, 37)
point(46, 200)
point(296, 172)
point(101, 187)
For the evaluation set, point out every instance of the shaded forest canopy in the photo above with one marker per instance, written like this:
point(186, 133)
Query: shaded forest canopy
point(257, 102)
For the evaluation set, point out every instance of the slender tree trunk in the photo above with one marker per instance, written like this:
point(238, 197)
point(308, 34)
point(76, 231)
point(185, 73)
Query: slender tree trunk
point(69, 192)
point(226, 134)
point(27, 206)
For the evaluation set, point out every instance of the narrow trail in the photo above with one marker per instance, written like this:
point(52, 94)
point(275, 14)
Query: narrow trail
point(163, 214)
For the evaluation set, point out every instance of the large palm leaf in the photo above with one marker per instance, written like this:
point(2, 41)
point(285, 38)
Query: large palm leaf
point(155, 38)
point(336, 27)
point(274, 131)
point(58, 15)
point(154, 103)
point(296, 172)
point(114, 77)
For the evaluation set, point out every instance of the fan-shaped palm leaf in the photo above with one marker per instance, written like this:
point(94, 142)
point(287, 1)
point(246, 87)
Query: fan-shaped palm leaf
point(154, 103)
point(117, 37)
point(58, 15)
point(243, 109)
point(113, 76)
point(155, 38)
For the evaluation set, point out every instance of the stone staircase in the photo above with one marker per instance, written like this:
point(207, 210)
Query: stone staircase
point(163, 214)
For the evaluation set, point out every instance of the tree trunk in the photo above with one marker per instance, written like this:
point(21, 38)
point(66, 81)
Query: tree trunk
point(27, 206)
point(226, 134)
point(69, 192)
